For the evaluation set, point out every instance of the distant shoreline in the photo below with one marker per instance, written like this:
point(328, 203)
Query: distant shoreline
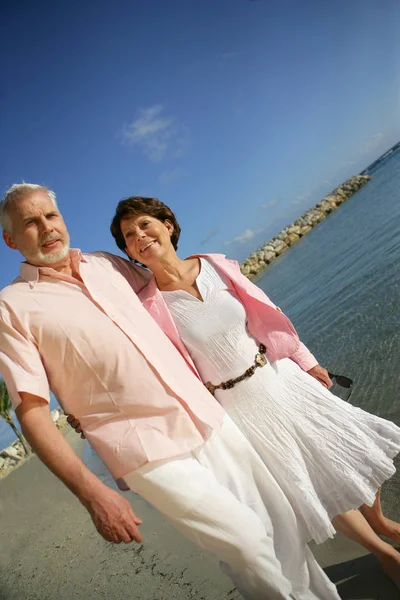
point(259, 260)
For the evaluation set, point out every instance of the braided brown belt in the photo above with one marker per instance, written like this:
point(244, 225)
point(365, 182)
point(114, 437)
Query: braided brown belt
point(259, 361)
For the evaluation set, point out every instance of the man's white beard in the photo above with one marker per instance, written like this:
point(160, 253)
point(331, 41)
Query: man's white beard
point(53, 257)
point(40, 258)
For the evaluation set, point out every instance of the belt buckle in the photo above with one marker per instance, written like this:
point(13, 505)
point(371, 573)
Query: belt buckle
point(261, 359)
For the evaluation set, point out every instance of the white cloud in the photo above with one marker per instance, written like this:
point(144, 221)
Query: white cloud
point(247, 235)
point(171, 175)
point(270, 204)
point(157, 134)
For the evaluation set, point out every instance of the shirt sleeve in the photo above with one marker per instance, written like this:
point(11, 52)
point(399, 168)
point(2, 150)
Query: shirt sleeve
point(20, 363)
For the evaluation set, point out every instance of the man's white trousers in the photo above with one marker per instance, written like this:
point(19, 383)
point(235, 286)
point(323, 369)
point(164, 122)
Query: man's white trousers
point(223, 498)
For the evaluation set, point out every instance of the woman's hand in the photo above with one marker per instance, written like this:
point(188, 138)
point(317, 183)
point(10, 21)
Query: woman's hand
point(75, 424)
point(321, 375)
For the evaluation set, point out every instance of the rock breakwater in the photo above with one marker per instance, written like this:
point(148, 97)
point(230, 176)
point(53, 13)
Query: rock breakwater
point(259, 260)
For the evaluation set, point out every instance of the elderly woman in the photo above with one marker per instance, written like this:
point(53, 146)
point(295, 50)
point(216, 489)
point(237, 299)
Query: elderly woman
point(327, 456)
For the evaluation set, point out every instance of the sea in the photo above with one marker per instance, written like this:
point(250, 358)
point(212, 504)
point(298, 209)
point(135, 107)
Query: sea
point(340, 285)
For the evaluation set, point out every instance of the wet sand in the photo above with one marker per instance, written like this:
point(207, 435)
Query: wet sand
point(51, 550)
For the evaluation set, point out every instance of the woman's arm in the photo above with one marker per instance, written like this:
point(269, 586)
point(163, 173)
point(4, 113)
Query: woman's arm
point(303, 357)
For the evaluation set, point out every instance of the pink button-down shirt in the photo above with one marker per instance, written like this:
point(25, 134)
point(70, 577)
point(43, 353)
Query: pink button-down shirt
point(105, 359)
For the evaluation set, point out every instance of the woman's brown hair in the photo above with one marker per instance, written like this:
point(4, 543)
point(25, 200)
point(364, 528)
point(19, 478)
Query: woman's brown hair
point(140, 205)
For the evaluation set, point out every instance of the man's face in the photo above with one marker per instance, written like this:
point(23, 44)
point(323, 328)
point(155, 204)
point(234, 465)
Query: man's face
point(38, 230)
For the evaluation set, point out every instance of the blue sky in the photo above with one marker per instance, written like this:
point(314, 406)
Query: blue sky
point(239, 114)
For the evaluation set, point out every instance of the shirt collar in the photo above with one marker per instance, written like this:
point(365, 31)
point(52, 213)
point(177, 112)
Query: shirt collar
point(31, 273)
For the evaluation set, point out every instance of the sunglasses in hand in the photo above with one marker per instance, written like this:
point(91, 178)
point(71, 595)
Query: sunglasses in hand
point(343, 381)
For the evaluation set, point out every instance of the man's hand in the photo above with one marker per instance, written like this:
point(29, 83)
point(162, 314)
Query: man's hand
point(113, 516)
point(321, 375)
point(75, 424)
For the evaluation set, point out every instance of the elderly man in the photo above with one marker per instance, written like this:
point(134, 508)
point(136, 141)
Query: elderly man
point(72, 322)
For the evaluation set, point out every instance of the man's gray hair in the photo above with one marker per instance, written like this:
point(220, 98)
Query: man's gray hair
point(18, 192)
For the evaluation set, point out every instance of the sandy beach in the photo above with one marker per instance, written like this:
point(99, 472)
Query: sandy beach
point(51, 550)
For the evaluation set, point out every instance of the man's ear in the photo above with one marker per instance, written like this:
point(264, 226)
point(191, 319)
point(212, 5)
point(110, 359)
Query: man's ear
point(9, 240)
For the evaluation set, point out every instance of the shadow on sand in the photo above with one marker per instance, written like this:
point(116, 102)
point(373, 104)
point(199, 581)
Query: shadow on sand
point(362, 579)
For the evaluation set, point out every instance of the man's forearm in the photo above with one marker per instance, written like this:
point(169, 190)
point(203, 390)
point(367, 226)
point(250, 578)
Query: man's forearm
point(55, 452)
point(112, 515)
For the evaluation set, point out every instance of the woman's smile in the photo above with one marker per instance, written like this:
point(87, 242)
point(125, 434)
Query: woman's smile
point(147, 246)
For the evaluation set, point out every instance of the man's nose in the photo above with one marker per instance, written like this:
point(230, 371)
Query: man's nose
point(46, 226)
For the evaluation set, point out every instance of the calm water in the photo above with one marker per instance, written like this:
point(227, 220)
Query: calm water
point(341, 287)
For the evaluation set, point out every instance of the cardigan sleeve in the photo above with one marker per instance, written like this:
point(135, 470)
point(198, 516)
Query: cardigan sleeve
point(304, 358)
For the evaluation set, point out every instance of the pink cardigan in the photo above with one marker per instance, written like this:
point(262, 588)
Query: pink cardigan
point(265, 321)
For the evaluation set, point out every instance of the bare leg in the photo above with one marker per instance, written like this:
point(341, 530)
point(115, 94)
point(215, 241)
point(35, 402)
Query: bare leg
point(353, 525)
point(379, 523)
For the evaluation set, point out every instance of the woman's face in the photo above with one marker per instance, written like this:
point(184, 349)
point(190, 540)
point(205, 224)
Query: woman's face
point(146, 238)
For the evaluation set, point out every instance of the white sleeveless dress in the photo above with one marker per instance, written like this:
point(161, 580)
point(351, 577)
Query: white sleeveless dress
point(327, 456)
